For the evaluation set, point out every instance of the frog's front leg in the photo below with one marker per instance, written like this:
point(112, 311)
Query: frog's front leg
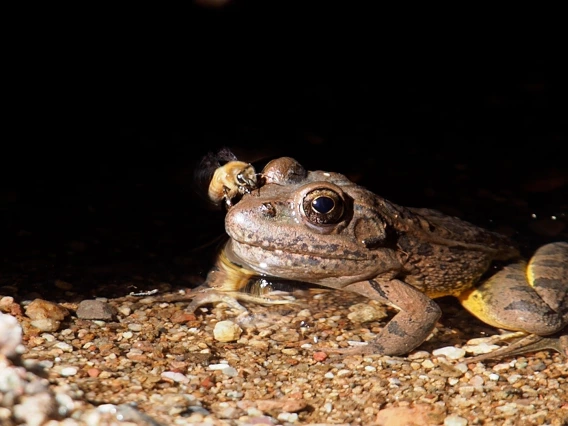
point(413, 323)
point(229, 282)
point(531, 298)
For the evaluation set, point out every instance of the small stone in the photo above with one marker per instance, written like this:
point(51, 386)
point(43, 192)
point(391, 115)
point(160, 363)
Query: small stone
point(41, 309)
point(65, 347)
point(455, 420)
point(217, 366)
point(95, 310)
point(320, 356)
point(46, 324)
point(93, 372)
point(363, 312)
point(288, 417)
point(226, 331)
point(46, 316)
point(418, 355)
point(476, 381)
point(10, 335)
point(175, 377)
point(135, 327)
point(230, 372)
point(68, 371)
point(502, 366)
point(450, 352)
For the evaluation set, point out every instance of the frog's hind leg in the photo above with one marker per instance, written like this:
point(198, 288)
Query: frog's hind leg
point(547, 273)
point(532, 299)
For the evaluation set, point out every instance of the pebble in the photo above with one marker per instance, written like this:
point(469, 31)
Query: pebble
point(45, 315)
point(135, 327)
point(450, 352)
point(230, 372)
point(95, 310)
point(65, 347)
point(364, 312)
point(176, 377)
point(227, 331)
point(454, 420)
point(68, 371)
point(319, 356)
point(10, 335)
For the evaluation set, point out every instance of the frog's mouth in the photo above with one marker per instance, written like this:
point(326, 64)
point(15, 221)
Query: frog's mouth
point(328, 251)
point(330, 268)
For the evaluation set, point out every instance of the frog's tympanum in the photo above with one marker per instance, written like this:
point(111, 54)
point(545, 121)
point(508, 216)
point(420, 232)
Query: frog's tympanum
point(321, 228)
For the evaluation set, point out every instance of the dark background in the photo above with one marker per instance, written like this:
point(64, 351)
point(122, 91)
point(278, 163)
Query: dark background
point(100, 172)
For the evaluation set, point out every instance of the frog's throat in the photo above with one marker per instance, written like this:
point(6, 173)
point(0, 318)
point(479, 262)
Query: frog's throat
point(232, 276)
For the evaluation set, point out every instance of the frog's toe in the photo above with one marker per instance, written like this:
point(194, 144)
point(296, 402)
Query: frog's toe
point(529, 343)
point(363, 350)
point(204, 296)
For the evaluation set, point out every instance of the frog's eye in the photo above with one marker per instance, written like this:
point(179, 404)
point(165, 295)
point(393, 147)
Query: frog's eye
point(323, 206)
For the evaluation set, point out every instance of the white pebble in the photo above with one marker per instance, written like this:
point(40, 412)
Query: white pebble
point(227, 331)
point(68, 371)
point(48, 337)
point(230, 372)
point(394, 381)
point(450, 352)
point(370, 368)
point(175, 376)
point(65, 347)
point(217, 366)
point(494, 377)
point(288, 417)
point(502, 366)
point(455, 420)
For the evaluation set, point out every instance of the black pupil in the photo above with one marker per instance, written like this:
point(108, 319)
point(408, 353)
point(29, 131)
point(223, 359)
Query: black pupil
point(323, 204)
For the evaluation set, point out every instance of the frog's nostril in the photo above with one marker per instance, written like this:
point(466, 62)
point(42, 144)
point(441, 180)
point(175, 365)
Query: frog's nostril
point(268, 209)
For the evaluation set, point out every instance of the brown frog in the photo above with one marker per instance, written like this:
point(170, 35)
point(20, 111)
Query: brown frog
point(319, 227)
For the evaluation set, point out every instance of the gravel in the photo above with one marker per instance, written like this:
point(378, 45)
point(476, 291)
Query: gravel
point(159, 365)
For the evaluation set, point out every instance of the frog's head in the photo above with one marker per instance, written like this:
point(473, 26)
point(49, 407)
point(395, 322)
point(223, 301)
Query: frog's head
point(316, 227)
